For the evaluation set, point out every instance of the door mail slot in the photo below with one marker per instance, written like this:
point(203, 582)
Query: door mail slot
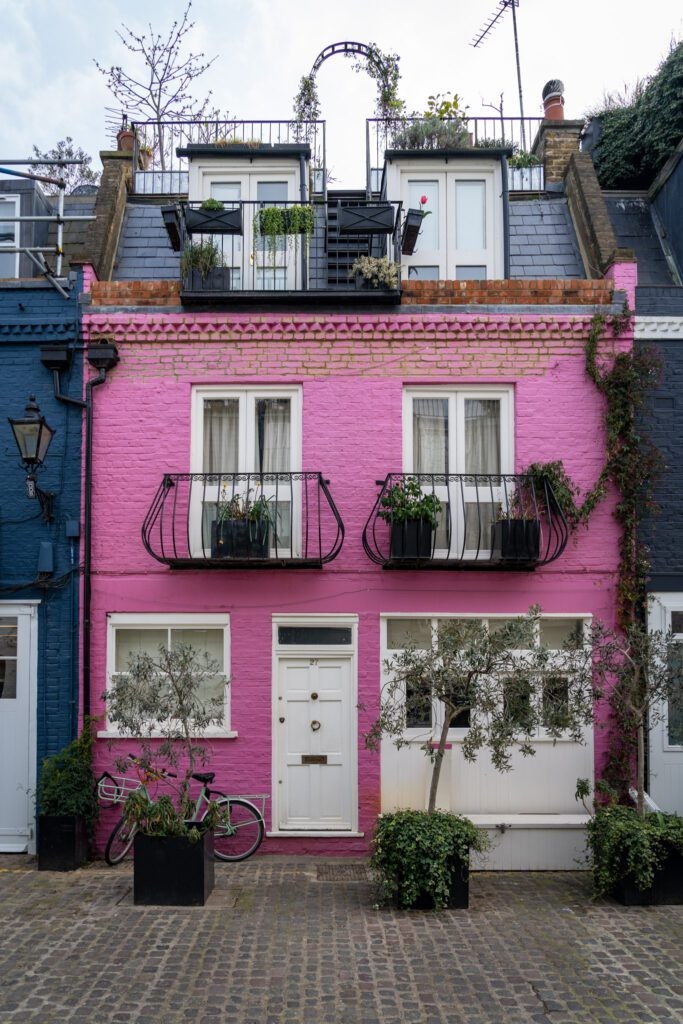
point(314, 758)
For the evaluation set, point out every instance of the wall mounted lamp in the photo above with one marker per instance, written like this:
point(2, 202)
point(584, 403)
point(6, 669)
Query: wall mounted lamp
point(33, 437)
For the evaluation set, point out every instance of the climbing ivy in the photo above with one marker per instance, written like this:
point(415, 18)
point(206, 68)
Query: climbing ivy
point(382, 67)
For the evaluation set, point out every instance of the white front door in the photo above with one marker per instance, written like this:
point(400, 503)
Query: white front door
point(315, 722)
point(17, 738)
point(666, 735)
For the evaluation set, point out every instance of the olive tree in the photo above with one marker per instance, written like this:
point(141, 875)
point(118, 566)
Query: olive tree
point(508, 682)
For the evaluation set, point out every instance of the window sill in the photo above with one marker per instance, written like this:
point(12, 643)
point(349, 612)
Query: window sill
point(314, 834)
point(210, 734)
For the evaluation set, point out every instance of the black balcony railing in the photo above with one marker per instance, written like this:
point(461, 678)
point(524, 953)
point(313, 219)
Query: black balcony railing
point(257, 247)
point(482, 521)
point(243, 520)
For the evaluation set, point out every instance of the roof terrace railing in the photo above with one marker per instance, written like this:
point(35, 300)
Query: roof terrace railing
point(159, 170)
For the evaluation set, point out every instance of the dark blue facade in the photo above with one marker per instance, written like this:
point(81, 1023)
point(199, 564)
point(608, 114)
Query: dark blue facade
point(33, 314)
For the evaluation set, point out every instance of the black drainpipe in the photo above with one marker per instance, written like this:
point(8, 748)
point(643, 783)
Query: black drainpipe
point(56, 358)
point(506, 217)
point(303, 192)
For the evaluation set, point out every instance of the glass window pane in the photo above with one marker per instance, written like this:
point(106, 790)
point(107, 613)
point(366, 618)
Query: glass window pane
point(8, 680)
point(482, 435)
point(517, 703)
point(496, 625)
point(8, 264)
point(8, 636)
point(470, 214)
point(401, 632)
point(555, 702)
point(312, 635)
point(271, 191)
point(423, 273)
point(272, 279)
point(430, 435)
point(132, 642)
point(272, 432)
point(470, 272)
point(226, 191)
point(428, 239)
point(479, 518)
point(205, 641)
point(418, 710)
point(8, 208)
point(555, 633)
point(677, 622)
point(221, 435)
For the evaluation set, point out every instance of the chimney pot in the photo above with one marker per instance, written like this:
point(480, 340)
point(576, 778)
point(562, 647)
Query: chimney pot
point(553, 100)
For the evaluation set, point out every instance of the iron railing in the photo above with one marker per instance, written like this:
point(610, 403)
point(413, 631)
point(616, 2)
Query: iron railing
point(243, 520)
point(160, 170)
point(484, 521)
point(233, 250)
point(417, 134)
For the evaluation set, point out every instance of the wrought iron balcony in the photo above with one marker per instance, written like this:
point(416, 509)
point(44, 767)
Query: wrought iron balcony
point(240, 248)
point(243, 521)
point(464, 521)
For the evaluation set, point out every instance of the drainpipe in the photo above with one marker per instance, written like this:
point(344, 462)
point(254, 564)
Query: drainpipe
point(506, 217)
point(303, 192)
point(101, 357)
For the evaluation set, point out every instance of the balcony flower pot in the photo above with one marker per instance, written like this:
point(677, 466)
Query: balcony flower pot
point(215, 280)
point(240, 538)
point(215, 222)
point(366, 219)
point(411, 230)
point(173, 871)
point(411, 538)
point(62, 842)
point(515, 540)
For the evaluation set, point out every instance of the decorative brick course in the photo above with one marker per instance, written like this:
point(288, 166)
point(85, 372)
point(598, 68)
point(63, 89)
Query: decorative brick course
point(514, 292)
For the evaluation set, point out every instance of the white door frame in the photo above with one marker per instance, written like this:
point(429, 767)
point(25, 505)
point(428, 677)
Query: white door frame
point(293, 650)
point(28, 611)
point(661, 752)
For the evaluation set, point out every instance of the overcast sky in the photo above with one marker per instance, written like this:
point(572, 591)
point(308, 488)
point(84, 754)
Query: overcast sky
point(50, 87)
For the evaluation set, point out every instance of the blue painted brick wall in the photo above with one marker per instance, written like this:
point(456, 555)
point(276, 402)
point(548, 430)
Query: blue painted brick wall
point(32, 316)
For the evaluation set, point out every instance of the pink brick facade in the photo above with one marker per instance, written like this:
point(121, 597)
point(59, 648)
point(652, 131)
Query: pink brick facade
point(352, 371)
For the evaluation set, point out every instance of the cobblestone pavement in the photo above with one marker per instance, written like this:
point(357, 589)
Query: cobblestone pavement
point(297, 941)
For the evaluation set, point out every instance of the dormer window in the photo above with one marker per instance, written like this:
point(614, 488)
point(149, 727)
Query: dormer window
point(9, 236)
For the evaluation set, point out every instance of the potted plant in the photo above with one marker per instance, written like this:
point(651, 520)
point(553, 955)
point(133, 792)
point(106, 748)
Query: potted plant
point(636, 852)
point(160, 702)
point(412, 226)
point(201, 266)
point(375, 272)
point(242, 527)
point(516, 532)
point(462, 672)
point(273, 222)
point(412, 514)
point(125, 138)
point(67, 805)
point(211, 216)
point(524, 170)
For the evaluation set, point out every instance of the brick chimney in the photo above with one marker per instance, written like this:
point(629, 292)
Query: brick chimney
point(110, 205)
point(557, 139)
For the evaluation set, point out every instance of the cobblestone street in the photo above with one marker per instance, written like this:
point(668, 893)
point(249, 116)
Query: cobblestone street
point(297, 941)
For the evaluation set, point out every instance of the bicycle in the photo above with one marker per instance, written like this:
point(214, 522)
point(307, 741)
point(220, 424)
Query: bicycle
point(237, 837)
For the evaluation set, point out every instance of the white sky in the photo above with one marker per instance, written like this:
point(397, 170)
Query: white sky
point(50, 87)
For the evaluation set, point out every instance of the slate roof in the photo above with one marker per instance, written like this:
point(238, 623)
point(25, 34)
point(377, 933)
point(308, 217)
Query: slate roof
point(144, 252)
point(633, 225)
point(543, 242)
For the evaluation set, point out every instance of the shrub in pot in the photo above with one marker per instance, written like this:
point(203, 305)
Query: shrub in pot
point(201, 266)
point(375, 272)
point(67, 804)
point(412, 514)
point(422, 859)
point(242, 527)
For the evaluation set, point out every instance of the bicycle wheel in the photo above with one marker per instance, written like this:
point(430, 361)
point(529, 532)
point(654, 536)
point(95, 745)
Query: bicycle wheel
point(119, 842)
point(243, 835)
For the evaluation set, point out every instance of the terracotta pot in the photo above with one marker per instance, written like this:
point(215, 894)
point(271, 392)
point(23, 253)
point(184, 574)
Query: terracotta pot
point(125, 140)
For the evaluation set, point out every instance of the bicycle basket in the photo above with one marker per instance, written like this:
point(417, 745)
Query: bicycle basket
point(113, 789)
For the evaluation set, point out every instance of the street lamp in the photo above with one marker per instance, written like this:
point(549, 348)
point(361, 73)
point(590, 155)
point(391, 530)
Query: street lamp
point(33, 437)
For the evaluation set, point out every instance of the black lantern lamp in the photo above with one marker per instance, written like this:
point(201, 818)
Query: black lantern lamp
point(33, 437)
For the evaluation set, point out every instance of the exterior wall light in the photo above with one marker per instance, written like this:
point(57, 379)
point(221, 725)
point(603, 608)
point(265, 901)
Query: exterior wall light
point(33, 437)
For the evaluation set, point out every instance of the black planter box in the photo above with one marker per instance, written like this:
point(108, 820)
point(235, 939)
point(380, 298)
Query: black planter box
point(666, 890)
point(235, 538)
point(171, 220)
point(515, 540)
point(171, 871)
point(411, 539)
point(62, 842)
point(215, 222)
point(459, 896)
point(367, 219)
point(217, 280)
point(411, 230)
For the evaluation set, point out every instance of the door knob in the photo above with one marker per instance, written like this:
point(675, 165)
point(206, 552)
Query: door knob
point(314, 696)
point(315, 725)
point(282, 720)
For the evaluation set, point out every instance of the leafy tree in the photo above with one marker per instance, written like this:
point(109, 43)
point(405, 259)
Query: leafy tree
point(73, 175)
point(508, 683)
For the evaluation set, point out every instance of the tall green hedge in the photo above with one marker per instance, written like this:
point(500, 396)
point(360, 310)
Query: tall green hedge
point(637, 140)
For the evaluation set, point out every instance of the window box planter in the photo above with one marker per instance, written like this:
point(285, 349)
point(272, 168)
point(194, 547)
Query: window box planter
point(62, 842)
point(171, 871)
point(217, 280)
point(411, 230)
point(367, 219)
point(667, 888)
point(239, 538)
point(214, 222)
point(515, 540)
point(171, 219)
point(411, 538)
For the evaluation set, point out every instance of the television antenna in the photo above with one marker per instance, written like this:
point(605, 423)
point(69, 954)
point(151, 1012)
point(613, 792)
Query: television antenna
point(488, 27)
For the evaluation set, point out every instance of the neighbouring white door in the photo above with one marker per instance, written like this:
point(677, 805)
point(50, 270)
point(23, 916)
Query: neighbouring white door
point(314, 721)
point(17, 752)
point(666, 735)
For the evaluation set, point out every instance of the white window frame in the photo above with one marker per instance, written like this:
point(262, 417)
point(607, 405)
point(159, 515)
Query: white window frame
point(659, 618)
point(17, 213)
point(172, 620)
point(418, 735)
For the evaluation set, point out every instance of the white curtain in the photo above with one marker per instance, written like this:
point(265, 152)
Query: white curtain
point(221, 435)
point(273, 429)
point(482, 435)
point(430, 435)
